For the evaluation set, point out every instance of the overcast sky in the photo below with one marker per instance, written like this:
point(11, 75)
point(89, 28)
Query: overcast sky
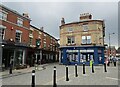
point(49, 14)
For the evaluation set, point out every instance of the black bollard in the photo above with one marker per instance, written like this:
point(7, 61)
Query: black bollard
point(92, 68)
point(67, 78)
point(33, 78)
point(83, 68)
point(76, 75)
point(10, 71)
point(54, 78)
point(105, 67)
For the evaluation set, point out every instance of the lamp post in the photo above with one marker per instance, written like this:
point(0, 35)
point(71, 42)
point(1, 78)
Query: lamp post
point(110, 45)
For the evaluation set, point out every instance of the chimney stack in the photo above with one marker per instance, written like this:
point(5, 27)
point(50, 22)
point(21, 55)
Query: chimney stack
point(26, 15)
point(85, 16)
point(62, 21)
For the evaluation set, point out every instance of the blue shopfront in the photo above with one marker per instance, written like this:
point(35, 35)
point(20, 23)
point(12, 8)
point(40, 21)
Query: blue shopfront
point(77, 55)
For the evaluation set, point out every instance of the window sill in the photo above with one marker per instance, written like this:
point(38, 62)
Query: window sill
point(71, 44)
point(86, 44)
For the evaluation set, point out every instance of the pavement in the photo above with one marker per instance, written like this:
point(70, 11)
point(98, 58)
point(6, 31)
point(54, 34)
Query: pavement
point(5, 73)
point(44, 78)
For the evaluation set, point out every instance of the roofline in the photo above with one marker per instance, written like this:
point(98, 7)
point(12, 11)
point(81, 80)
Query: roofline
point(80, 22)
point(3, 6)
point(42, 31)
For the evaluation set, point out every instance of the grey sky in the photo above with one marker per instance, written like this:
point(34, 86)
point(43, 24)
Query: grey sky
point(49, 14)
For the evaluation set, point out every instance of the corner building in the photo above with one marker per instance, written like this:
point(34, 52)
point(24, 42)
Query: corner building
point(82, 41)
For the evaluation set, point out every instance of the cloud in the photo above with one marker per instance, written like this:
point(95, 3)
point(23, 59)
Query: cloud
point(49, 14)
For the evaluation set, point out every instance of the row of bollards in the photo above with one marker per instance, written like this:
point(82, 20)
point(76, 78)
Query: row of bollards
point(67, 74)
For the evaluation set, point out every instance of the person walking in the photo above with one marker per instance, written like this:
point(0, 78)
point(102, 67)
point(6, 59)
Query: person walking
point(114, 61)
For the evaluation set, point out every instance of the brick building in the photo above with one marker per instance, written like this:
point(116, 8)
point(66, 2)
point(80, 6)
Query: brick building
point(110, 52)
point(82, 41)
point(14, 33)
point(18, 39)
point(47, 49)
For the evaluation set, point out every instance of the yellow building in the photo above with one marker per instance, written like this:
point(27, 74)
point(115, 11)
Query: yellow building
point(85, 37)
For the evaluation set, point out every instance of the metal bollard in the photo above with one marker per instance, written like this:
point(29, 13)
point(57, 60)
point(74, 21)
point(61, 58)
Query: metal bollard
point(105, 67)
point(10, 72)
point(92, 68)
point(76, 74)
point(83, 68)
point(67, 78)
point(54, 78)
point(33, 78)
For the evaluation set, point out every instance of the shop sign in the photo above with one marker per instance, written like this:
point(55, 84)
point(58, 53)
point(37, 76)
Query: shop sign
point(71, 50)
point(86, 50)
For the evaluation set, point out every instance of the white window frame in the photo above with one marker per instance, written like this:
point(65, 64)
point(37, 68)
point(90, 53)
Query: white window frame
point(3, 15)
point(85, 27)
point(72, 39)
point(20, 32)
point(19, 21)
point(85, 39)
point(70, 29)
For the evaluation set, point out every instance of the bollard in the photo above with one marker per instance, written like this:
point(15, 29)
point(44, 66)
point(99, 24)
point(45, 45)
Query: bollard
point(76, 75)
point(10, 72)
point(105, 67)
point(54, 78)
point(83, 68)
point(92, 68)
point(67, 78)
point(33, 78)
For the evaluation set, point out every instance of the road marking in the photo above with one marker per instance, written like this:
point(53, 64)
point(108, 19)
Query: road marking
point(61, 78)
point(112, 78)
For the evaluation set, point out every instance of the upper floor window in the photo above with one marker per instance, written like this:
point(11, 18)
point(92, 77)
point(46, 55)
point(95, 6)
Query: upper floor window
point(3, 15)
point(70, 29)
point(86, 39)
point(18, 36)
point(44, 45)
point(20, 21)
point(30, 41)
point(71, 40)
point(85, 27)
point(2, 31)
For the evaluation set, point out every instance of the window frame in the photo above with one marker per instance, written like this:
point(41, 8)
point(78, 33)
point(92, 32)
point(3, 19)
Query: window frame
point(20, 39)
point(71, 39)
point(86, 39)
point(3, 15)
point(85, 27)
point(19, 21)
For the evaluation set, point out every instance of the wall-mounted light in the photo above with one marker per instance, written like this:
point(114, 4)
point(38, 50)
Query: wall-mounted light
point(12, 28)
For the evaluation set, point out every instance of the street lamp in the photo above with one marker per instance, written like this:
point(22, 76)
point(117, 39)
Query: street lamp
point(110, 44)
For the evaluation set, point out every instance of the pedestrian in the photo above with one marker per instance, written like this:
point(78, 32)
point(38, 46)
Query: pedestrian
point(11, 64)
point(68, 61)
point(114, 61)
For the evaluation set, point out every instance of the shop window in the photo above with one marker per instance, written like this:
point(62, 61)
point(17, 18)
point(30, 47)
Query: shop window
point(18, 36)
point(71, 40)
point(19, 57)
point(72, 57)
point(20, 21)
point(3, 15)
point(2, 33)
